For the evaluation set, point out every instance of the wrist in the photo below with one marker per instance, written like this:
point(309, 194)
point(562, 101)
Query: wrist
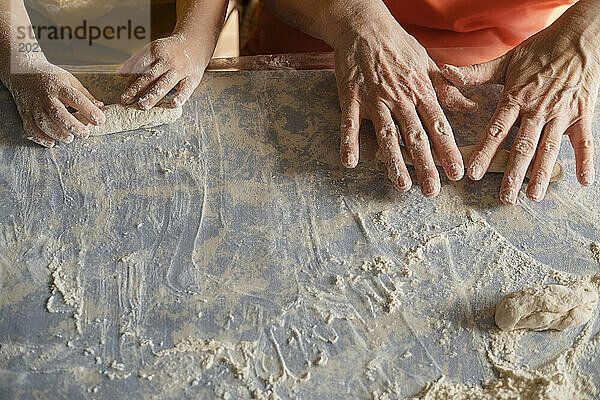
point(20, 64)
point(583, 18)
point(200, 51)
point(360, 18)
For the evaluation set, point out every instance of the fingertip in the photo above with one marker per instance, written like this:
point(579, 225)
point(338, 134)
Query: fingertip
point(535, 191)
point(404, 183)
point(455, 171)
point(176, 102)
point(430, 187)
point(83, 132)
point(509, 196)
point(144, 104)
point(127, 99)
point(349, 160)
point(475, 171)
point(586, 177)
point(471, 105)
point(98, 117)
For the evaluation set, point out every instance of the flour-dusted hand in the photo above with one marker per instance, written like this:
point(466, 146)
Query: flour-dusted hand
point(550, 84)
point(384, 74)
point(167, 63)
point(177, 61)
point(42, 93)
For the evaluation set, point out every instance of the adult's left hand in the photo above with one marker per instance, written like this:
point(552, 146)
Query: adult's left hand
point(551, 85)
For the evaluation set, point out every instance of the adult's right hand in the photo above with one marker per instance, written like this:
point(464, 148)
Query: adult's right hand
point(42, 92)
point(383, 74)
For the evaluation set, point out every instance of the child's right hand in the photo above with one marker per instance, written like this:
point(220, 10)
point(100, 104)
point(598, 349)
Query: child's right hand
point(42, 92)
point(164, 64)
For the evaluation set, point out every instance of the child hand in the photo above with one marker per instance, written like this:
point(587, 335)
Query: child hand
point(164, 64)
point(42, 92)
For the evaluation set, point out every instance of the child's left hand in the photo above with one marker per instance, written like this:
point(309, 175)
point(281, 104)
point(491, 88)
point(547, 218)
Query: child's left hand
point(164, 64)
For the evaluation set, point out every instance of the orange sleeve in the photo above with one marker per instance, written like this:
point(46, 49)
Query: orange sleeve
point(453, 31)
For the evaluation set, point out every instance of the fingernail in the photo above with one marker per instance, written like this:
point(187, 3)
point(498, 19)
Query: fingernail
point(585, 177)
point(535, 193)
point(430, 187)
point(143, 104)
point(95, 118)
point(126, 99)
point(84, 133)
point(456, 171)
point(510, 196)
point(350, 160)
point(475, 171)
point(404, 183)
point(69, 139)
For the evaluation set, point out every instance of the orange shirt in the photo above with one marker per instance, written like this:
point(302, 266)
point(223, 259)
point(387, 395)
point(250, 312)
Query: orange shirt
point(470, 31)
point(453, 31)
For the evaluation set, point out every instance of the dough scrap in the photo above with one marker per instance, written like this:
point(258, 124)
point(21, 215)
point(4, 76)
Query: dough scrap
point(121, 118)
point(539, 308)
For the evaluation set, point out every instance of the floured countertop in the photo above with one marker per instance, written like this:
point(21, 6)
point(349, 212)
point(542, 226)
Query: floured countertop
point(230, 255)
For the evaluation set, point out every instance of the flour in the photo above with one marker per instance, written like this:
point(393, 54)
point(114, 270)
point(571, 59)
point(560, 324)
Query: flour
point(595, 248)
point(65, 280)
point(126, 118)
point(331, 285)
point(559, 379)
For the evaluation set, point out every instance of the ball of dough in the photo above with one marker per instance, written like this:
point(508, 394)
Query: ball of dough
point(539, 308)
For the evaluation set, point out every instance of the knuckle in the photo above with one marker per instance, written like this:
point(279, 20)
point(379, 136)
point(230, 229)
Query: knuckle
point(513, 179)
point(347, 124)
point(54, 111)
point(524, 146)
point(585, 143)
point(511, 99)
point(171, 74)
point(415, 135)
point(551, 147)
point(387, 131)
point(441, 128)
point(158, 52)
point(497, 130)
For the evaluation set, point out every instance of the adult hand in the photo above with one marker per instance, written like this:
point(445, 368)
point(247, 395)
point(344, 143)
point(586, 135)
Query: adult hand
point(42, 92)
point(164, 64)
point(383, 74)
point(550, 84)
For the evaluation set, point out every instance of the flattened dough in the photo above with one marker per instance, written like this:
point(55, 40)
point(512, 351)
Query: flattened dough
point(547, 307)
point(121, 118)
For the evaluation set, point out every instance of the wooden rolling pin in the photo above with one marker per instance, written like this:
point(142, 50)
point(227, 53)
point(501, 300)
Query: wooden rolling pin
point(498, 164)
